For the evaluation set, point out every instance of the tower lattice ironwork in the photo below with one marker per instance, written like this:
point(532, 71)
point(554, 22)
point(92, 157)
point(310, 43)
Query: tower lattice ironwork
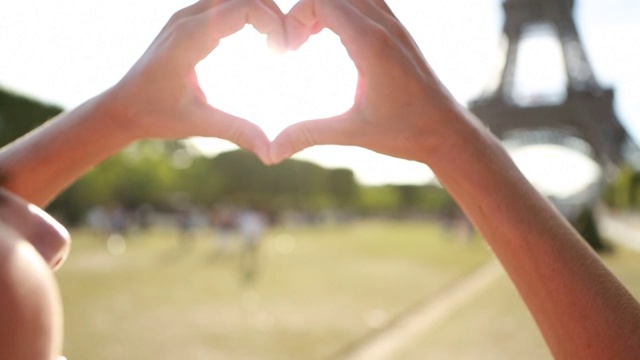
point(587, 110)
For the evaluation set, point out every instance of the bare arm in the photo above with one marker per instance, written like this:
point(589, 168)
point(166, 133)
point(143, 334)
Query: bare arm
point(30, 306)
point(158, 98)
point(401, 109)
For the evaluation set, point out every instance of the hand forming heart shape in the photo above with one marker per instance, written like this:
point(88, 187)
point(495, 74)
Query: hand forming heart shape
point(400, 108)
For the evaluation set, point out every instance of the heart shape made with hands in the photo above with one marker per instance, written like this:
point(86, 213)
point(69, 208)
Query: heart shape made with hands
point(245, 78)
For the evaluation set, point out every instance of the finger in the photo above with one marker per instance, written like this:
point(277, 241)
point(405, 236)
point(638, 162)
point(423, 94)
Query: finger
point(269, 3)
point(276, 40)
point(222, 21)
point(219, 124)
point(374, 11)
point(364, 39)
point(382, 4)
point(193, 9)
point(335, 131)
point(307, 14)
point(310, 16)
point(232, 16)
point(381, 14)
point(371, 34)
point(182, 14)
point(300, 23)
point(400, 32)
point(204, 5)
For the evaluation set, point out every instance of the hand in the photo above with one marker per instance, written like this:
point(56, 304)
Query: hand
point(401, 109)
point(160, 96)
point(30, 223)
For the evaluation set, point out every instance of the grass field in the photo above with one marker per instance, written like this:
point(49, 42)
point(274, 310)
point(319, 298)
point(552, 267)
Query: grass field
point(318, 290)
point(496, 325)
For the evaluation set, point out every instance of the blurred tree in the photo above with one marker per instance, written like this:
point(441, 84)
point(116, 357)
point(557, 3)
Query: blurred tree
point(141, 174)
point(151, 172)
point(343, 187)
point(379, 199)
point(623, 192)
point(20, 114)
point(424, 198)
point(587, 226)
point(290, 184)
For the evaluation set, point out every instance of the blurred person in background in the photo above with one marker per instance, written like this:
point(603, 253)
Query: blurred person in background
point(252, 224)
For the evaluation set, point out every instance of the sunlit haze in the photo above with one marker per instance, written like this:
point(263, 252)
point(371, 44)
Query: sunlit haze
point(65, 52)
point(537, 162)
point(275, 90)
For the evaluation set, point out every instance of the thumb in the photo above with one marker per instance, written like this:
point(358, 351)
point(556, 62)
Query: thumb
point(247, 135)
point(297, 137)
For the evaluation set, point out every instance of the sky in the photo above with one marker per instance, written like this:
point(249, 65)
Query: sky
point(67, 51)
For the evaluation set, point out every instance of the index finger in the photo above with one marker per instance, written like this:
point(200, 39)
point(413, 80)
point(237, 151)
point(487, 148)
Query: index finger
point(201, 33)
point(360, 34)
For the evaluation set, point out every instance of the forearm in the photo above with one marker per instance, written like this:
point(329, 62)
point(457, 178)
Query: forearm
point(41, 164)
point(581, 308)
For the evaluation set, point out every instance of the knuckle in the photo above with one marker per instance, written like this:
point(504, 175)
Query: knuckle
point(308, 138)
point(379, 40)
point(51, 239)
point(235, 133)
point(177, 16)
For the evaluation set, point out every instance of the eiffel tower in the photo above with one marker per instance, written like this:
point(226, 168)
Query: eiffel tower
point(587, 110)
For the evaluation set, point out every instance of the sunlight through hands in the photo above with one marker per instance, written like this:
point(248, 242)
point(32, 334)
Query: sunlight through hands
point(274, 90)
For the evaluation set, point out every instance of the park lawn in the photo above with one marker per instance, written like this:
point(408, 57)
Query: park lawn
point(496, 325)
point(318, 290)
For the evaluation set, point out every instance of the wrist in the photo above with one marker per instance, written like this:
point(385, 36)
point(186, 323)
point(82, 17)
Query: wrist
point(39, 165)
point(466, 149)
point(113, 117)
point(459, 138)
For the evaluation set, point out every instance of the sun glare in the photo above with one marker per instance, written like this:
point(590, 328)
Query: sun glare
point(556, 170)
point(245, 78)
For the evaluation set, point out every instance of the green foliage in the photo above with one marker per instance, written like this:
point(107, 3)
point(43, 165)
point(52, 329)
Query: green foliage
point(164, 173)
point(140, 174)
point(624, 191)
point(404, 198)
point(291, 184)
point(378, 199)
point(19, 115)
point(156, 173)
point(587, 226)
point(427, 198)
point(343, 187)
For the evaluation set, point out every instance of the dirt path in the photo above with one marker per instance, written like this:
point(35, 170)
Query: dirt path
point(399, 335)
point(624, 230)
